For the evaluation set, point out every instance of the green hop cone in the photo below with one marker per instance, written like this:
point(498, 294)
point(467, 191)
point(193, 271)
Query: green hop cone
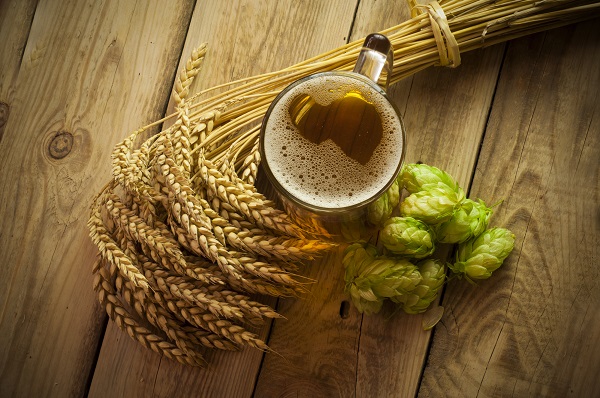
point(468, 221)
point(391, 276)
point(381, 209)
point(433, 274)
point(357, 258)
point(477, 258)
point(371, 279)
point(420, 177)
point(408, 237)
point(434, 205)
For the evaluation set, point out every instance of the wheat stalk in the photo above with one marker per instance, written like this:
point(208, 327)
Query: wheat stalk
point(182, 231)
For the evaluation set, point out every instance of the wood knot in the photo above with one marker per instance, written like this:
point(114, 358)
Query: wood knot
point(60, 145)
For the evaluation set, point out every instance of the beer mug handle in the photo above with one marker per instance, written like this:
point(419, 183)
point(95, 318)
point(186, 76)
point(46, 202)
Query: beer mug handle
point(376, 59)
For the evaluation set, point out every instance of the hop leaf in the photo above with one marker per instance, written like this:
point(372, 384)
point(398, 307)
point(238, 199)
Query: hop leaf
point(477, 258)
point(433, 274)
point(468, 221)
point(370, 279)
point(421, 177)
point(434, 205)
point(381, 209)
point(408, 237)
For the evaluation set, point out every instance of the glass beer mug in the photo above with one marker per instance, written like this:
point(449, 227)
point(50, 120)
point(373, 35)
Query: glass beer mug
point(333, 142)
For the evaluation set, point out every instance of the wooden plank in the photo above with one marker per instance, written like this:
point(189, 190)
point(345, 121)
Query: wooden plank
point(392, 344)
point(88, 76)
point(445, 112)
point(533, 328)
point(245, 38)
point(327, 355)
point(15, 22)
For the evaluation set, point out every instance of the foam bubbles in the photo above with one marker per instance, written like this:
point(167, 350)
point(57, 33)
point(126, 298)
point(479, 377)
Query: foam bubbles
point(323, 175)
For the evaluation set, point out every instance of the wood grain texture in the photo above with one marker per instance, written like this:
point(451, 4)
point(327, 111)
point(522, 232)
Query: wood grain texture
point(127, 369)
point(15, 23)
point(533, 328)
point(317, 344)
point(252, 37)
point(76, 95)
point(248, 38)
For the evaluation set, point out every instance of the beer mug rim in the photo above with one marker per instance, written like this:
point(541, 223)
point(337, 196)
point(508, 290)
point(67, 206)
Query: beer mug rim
point(308, 206)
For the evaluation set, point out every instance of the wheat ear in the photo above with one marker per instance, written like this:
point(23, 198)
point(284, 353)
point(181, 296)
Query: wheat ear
point(126, 321)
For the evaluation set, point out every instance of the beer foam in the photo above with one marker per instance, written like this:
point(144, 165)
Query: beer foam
point(323, 175)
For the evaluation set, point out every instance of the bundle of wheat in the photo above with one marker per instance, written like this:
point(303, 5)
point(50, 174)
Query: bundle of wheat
point(183, 234)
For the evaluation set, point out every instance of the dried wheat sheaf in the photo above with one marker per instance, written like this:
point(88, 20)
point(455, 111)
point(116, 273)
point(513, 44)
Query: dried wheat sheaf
point(185, 238)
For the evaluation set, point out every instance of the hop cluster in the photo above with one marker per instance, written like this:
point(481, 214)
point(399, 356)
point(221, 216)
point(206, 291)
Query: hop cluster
point(435, 211)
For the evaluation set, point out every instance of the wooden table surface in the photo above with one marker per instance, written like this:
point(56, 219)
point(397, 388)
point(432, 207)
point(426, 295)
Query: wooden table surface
point(517, 122)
